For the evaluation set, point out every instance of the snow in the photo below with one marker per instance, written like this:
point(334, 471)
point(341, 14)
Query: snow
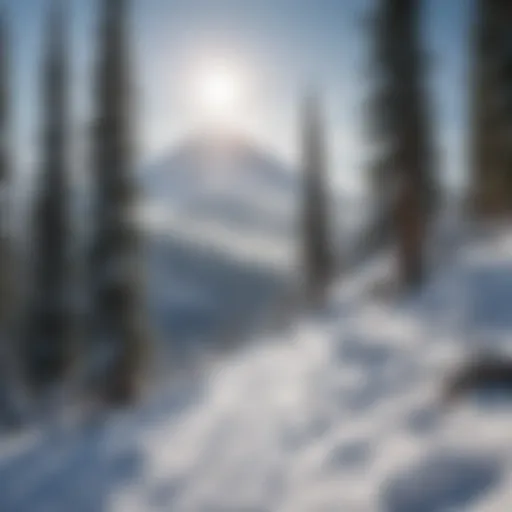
point(225, 193)
point(221, 217)
point(219, 214)
point(340, 413)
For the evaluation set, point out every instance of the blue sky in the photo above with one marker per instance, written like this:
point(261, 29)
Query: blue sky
point(285, 44)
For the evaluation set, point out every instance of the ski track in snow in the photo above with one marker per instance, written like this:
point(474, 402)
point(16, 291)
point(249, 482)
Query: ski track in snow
point(340, 414)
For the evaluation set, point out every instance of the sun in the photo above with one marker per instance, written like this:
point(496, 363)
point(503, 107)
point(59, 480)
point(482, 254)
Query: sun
point(218, 91)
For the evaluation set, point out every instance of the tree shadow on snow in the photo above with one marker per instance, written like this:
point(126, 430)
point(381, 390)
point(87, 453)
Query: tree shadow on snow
point(441, 482)
point(71, 472)
point(489, 292)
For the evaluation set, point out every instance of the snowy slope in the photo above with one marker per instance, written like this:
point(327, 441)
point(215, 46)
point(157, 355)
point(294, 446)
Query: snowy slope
point(340, 414)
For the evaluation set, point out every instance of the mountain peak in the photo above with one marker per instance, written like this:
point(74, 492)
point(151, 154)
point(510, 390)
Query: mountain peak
point(222, 187)
point(223, 159)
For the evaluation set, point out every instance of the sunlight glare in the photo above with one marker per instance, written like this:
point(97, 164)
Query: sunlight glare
point(218, 91)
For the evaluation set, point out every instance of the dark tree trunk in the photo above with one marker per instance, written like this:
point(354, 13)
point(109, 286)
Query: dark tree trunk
point(318, 256)
point(491, 111)
point(48, 350)
point(404, 183)
point(118, 318)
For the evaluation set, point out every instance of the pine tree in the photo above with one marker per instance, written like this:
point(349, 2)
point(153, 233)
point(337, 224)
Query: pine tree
point(118, 303)
point(49, 344)
point(5, 174)
point(9, 371)
point(318, 257)
point(492, 110)
point(403, 177)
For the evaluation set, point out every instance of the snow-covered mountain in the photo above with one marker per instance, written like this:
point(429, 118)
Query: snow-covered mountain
point(219, 162)
point(224, 190)
point(221, 214)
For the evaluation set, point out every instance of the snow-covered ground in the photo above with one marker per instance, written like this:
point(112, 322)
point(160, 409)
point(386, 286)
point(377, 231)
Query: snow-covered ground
point(341, 413)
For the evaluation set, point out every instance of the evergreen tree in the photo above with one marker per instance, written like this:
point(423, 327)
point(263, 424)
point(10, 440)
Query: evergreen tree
point(491, 152)
point(49, 344)
point(118, 303)
point(492, 110)
point(318, 257)
point(5, 174)
point(9, 374)
point(403, 173)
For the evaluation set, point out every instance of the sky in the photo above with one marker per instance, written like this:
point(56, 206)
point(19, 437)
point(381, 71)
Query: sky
point(281, 48)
